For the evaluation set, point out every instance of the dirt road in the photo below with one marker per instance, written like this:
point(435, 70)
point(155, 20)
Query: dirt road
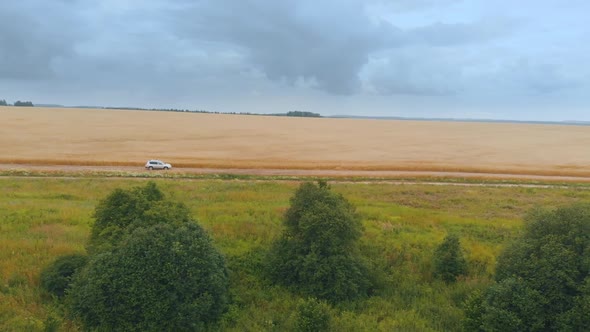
point(294, 172)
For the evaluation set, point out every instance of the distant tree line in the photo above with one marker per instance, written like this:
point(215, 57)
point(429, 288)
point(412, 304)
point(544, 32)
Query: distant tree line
point(23, 103)
point(303, 114)
point(290, 113)
point(16, 103)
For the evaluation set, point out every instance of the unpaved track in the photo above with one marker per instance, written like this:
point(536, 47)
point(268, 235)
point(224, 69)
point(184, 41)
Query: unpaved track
point(296, 172)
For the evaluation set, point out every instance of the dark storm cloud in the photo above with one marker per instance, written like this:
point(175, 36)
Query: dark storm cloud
point(32, 35)
point(158, 51)
point(323, 45)
point(326, 43)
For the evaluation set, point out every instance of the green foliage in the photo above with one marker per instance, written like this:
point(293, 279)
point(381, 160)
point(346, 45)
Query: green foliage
point(509, 305)
point(44, 218)
point(123, 211)
point(23, 103)
point(3, 102)
point(543, 277)
point(576, 319)
point(162, 278)
point(449, 262)
point(56, 278)
point(313, 316)
point(317, 252)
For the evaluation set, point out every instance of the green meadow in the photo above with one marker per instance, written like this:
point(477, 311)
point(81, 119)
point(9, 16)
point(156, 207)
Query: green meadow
point(43, 218)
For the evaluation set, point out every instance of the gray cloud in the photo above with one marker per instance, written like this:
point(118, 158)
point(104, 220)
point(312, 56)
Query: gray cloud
point(432, 73)
point(32, 36)
point(167, 50)
point(323, 42)
point(326, 43)
point(322, 45)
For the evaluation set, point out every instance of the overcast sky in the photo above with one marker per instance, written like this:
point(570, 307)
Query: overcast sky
point(501, 59)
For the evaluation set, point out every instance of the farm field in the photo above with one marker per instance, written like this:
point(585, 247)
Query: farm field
point(43, 218)
point(53, 136)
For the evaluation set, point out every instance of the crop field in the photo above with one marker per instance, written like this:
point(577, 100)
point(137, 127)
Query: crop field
point(43, 218)
point(46, 136)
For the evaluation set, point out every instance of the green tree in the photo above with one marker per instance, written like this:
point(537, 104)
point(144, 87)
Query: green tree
point(313, 316)
point(56, 277)
point(317, 253)
point(550, 264)
point(3, 102)
point(23, 103)
point(123, 211)
point(509, 305)
point(449, 262)
point(161, 278)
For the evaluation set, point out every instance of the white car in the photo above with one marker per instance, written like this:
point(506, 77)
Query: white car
point(157, 164)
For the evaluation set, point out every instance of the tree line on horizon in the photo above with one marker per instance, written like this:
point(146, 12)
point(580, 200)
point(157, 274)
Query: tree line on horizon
point(16, 103)
point(3, 102)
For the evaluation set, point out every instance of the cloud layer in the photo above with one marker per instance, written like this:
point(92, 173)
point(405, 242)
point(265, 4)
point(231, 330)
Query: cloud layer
point(178, 52)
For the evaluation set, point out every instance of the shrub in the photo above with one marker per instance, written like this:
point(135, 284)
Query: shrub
point(317, 253)
point(122, 211)
point(162, 278)
point(56, 278)
point(449, 262)
point(312, 316)
point(543, 277)
point(509, 305)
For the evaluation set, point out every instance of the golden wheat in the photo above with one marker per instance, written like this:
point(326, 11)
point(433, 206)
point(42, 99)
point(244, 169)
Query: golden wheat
point(46, 136)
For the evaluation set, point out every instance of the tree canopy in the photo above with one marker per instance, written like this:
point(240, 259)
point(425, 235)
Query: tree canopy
point(449, 262)
point(122, 211)
point(317, 254)
point(150, 268)
point(56, 278)
point(161, 278)
point(542, 278)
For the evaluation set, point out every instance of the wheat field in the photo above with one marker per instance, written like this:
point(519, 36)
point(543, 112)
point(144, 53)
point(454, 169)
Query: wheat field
point(66, 136)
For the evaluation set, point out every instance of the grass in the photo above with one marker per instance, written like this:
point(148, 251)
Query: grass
point(50, 136)
point(43, 218)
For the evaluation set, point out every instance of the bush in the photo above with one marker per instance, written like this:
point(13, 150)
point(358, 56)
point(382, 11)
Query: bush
point(449, 262)
point(56, 278)
point(162, 278)
point(312, 316)
point(543, 277)
point(123, 211)
point(317, 253)
point(507, 306)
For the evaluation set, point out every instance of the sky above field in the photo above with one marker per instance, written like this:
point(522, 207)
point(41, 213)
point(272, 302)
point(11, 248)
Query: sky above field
point(502, 59)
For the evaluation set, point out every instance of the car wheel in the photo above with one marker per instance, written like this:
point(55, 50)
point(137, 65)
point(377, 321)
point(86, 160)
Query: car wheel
point(166, 168)
point(151, 168)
